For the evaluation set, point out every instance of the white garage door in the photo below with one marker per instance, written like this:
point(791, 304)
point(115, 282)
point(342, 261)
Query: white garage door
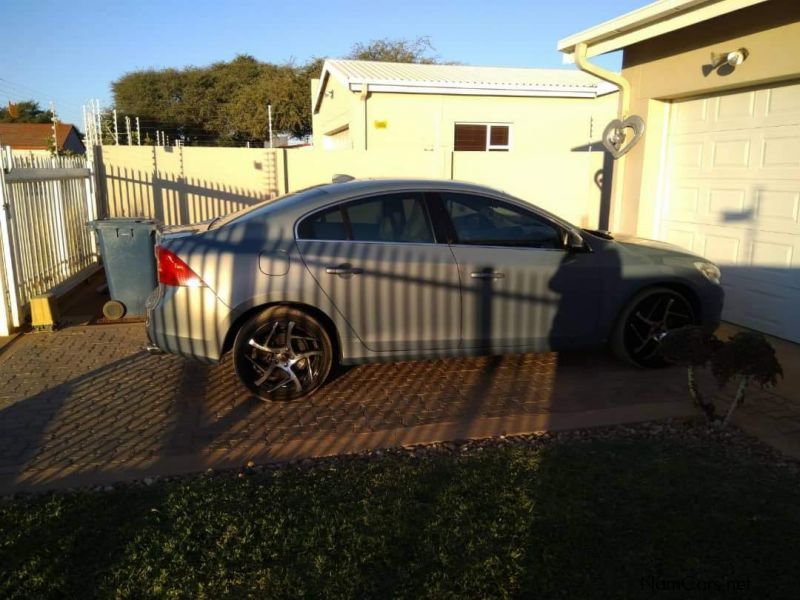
point(732, 194)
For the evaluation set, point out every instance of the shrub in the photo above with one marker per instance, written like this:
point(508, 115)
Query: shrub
point(692, 347)
point(747, 357)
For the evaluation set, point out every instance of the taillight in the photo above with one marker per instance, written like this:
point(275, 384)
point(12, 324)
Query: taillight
point(173, 271)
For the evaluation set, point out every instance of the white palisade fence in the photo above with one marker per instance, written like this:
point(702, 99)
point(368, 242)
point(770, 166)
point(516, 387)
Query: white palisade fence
point(45, 205)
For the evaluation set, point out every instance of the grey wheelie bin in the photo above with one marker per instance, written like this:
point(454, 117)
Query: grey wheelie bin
point(127, 247)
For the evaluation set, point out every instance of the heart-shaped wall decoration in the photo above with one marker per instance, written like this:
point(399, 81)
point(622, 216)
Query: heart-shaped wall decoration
point(617, 140)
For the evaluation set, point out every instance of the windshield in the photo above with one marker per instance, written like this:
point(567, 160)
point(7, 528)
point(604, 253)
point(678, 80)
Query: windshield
point(247, 210)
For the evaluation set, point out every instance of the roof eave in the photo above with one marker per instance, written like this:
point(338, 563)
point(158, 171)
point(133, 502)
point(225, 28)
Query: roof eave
point(355, 84)
point(648, 22)
point(412, 88)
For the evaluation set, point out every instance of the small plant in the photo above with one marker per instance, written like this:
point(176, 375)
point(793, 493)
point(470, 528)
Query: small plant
point(692, 347)
point(747, 357)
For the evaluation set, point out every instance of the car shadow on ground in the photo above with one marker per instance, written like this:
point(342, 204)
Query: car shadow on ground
point(86, 405)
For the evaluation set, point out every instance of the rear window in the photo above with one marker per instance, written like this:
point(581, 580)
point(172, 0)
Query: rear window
point(267, 205)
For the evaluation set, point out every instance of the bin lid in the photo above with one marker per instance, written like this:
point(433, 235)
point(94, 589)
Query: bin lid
point(126, 222)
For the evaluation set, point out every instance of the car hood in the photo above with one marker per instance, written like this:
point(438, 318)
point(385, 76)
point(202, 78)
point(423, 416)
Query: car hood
point(652, 248)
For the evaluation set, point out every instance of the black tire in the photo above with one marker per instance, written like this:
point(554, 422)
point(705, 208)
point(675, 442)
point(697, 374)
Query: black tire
point(273, 369)
point(644, 321)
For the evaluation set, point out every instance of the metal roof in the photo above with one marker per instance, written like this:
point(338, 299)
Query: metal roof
point(460, 79)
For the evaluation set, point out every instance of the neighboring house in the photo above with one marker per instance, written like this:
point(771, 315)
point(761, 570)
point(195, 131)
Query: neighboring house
point(528, 131)
point(37, 137)
point(718, 168)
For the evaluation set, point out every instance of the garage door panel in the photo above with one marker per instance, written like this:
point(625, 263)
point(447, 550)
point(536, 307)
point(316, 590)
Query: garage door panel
point(720, 155)
point(685, 202)
point(691, 116)
point(750, 109)
point(687, 156)
point(775, 205)
point(711, 202)
point(727, 202)
point(772, 206)
point(746, 245)
point(730, 153)
point(732, 194)
point(685, 237)
point(733, 108)
point(782, 106)
point(722, 249)
point(780, 153)
point(763, 309)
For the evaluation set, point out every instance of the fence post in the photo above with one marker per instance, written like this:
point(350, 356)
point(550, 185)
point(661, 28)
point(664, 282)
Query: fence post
point(9, 306)
point(60, 242)
point(91, 198)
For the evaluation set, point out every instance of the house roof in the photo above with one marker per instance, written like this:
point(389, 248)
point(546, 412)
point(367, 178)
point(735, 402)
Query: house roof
point(460, 79)
point(33, 136)
point(649, 21)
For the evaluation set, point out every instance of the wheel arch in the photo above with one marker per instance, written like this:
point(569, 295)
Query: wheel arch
point(320, 315)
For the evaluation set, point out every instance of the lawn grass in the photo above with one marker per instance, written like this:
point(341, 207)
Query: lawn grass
point(603, 518)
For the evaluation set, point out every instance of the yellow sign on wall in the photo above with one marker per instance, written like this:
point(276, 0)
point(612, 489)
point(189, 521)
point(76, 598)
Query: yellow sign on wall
point(381, 124)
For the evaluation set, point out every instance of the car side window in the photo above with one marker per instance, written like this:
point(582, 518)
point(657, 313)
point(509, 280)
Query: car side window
point(486, 221)
point(386, 218)
point(326, 225)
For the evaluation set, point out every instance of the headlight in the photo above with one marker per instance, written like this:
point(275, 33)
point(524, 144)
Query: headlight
point(710, 270)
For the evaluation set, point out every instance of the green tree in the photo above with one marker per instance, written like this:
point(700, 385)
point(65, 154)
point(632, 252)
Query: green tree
point(226, 103)
point(388, 50)
point(27, 111)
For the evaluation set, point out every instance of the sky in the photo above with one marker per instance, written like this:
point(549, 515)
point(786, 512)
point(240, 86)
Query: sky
point(68, 52)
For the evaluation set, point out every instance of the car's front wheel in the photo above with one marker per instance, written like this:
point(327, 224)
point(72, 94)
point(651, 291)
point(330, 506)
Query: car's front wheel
point(282, 354)
point(644, 322)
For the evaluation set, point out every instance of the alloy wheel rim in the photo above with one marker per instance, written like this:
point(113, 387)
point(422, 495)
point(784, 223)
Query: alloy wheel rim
point(286, 358)
point(651, 320)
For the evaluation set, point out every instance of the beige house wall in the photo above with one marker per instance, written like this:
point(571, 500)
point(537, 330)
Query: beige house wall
point(184, 185)
point(340, 106)
point(555, 160)
point(670, 67)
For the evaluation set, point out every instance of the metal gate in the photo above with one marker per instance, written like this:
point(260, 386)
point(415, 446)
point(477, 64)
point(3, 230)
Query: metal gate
point(45, 204)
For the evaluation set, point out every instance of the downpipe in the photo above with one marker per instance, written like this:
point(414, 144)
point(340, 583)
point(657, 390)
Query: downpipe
point(609, 76)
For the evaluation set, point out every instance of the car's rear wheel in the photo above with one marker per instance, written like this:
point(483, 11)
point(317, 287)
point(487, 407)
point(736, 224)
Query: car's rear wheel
point(644, 322)
point(282, 354)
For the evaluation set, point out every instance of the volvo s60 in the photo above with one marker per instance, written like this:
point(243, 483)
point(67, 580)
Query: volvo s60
point(375, 270)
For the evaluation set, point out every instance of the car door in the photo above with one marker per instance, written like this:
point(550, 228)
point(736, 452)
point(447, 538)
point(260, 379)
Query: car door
point(521, 287)
point(377, 259)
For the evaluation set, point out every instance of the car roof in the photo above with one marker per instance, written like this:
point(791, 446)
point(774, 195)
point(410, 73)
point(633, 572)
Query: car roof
point(321, 195)
point(300, 203)
point(389, 184)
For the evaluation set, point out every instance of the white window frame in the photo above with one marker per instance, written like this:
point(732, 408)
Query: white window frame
point(488, 147)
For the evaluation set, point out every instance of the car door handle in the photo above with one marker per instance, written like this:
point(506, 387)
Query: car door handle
point(344, 269)
point(487, 275)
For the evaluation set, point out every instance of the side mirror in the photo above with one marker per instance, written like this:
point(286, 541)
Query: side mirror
point(574, 242)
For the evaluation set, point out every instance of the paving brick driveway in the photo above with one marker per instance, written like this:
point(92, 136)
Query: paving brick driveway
point(85, 406)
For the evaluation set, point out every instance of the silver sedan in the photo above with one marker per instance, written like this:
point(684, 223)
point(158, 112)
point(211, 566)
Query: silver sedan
point(377, 270)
